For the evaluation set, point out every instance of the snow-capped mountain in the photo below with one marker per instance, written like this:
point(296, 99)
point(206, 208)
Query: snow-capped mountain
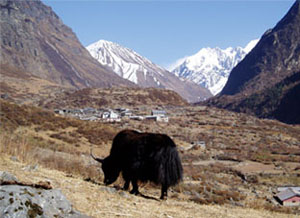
point(138, 69)
point(125, 62)
point(210, 67)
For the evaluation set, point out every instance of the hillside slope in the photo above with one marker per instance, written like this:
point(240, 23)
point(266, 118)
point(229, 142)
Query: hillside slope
point(275, 57)
point(35, 44)
point(266, 82)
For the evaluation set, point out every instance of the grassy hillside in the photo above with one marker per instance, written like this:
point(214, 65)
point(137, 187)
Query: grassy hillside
point(114, 97)
point(244, 161)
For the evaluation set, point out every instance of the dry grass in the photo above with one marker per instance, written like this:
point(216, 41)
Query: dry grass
point(95, 200)
point(25, 150)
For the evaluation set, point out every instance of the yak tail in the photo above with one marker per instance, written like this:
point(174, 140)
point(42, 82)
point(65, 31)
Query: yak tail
point(170, 169)
point(173, 168)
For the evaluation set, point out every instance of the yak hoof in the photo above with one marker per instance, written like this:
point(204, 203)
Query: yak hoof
point(125, 188)
point(135, 192)
point(163, 197)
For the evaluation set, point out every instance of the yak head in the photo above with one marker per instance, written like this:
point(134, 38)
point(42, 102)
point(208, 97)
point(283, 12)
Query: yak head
point(109, 168)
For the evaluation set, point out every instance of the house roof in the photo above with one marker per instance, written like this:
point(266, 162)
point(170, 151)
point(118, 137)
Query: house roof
point(287, 194)
point(158, 112)
point(282, 188)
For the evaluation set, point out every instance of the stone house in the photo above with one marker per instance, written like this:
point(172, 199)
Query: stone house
point(158, 118)
point(158, 113)
point(289, 196)
point(110, 115)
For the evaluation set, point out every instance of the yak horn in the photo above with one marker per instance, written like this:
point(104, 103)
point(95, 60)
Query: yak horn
point(96, 158)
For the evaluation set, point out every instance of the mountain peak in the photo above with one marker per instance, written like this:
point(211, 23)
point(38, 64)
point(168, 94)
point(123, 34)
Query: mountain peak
point(123, 61)
point(210, 67)
point(102, 43)
point(132, 66)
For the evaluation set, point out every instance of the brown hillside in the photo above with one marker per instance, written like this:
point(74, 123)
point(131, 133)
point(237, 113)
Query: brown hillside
point(36, 43)
point(115, 97)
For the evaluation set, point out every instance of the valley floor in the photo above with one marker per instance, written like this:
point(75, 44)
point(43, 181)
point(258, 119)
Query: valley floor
point(100, 201)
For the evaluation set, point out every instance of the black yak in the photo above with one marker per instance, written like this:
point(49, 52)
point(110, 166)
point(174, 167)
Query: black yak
point(142, 157)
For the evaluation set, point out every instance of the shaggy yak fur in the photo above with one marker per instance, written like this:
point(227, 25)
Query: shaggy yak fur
point(142, 157)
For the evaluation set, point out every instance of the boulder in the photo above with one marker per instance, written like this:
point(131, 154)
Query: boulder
point(21, 200)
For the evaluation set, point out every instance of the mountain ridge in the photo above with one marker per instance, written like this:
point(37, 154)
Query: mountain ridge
point(132, 66)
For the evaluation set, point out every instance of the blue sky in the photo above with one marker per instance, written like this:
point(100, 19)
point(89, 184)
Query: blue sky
point(167, 30)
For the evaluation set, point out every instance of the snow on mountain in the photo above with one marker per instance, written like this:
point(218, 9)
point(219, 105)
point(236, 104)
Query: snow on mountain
point(251, 45)
point(210, 67)
point(125, 62)
point(138, 69)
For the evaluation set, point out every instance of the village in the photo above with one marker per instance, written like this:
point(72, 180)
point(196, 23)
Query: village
point(113, 115)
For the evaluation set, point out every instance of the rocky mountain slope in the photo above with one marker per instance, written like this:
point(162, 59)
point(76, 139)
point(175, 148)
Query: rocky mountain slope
point(210, 67)
point(36, 45)
point(266, 83)
point(139, 70)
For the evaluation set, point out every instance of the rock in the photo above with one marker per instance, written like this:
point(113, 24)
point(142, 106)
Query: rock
point(31, 168)
point(108, 189)
point(124, 194)
point(196, 194)
point(26, 201)
point(7, 177)
point(14, 158)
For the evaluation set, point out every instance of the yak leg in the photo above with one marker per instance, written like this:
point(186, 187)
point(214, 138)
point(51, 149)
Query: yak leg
point(126, 185)
point(135, 188)
point(127, 179)
point(164, 191)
